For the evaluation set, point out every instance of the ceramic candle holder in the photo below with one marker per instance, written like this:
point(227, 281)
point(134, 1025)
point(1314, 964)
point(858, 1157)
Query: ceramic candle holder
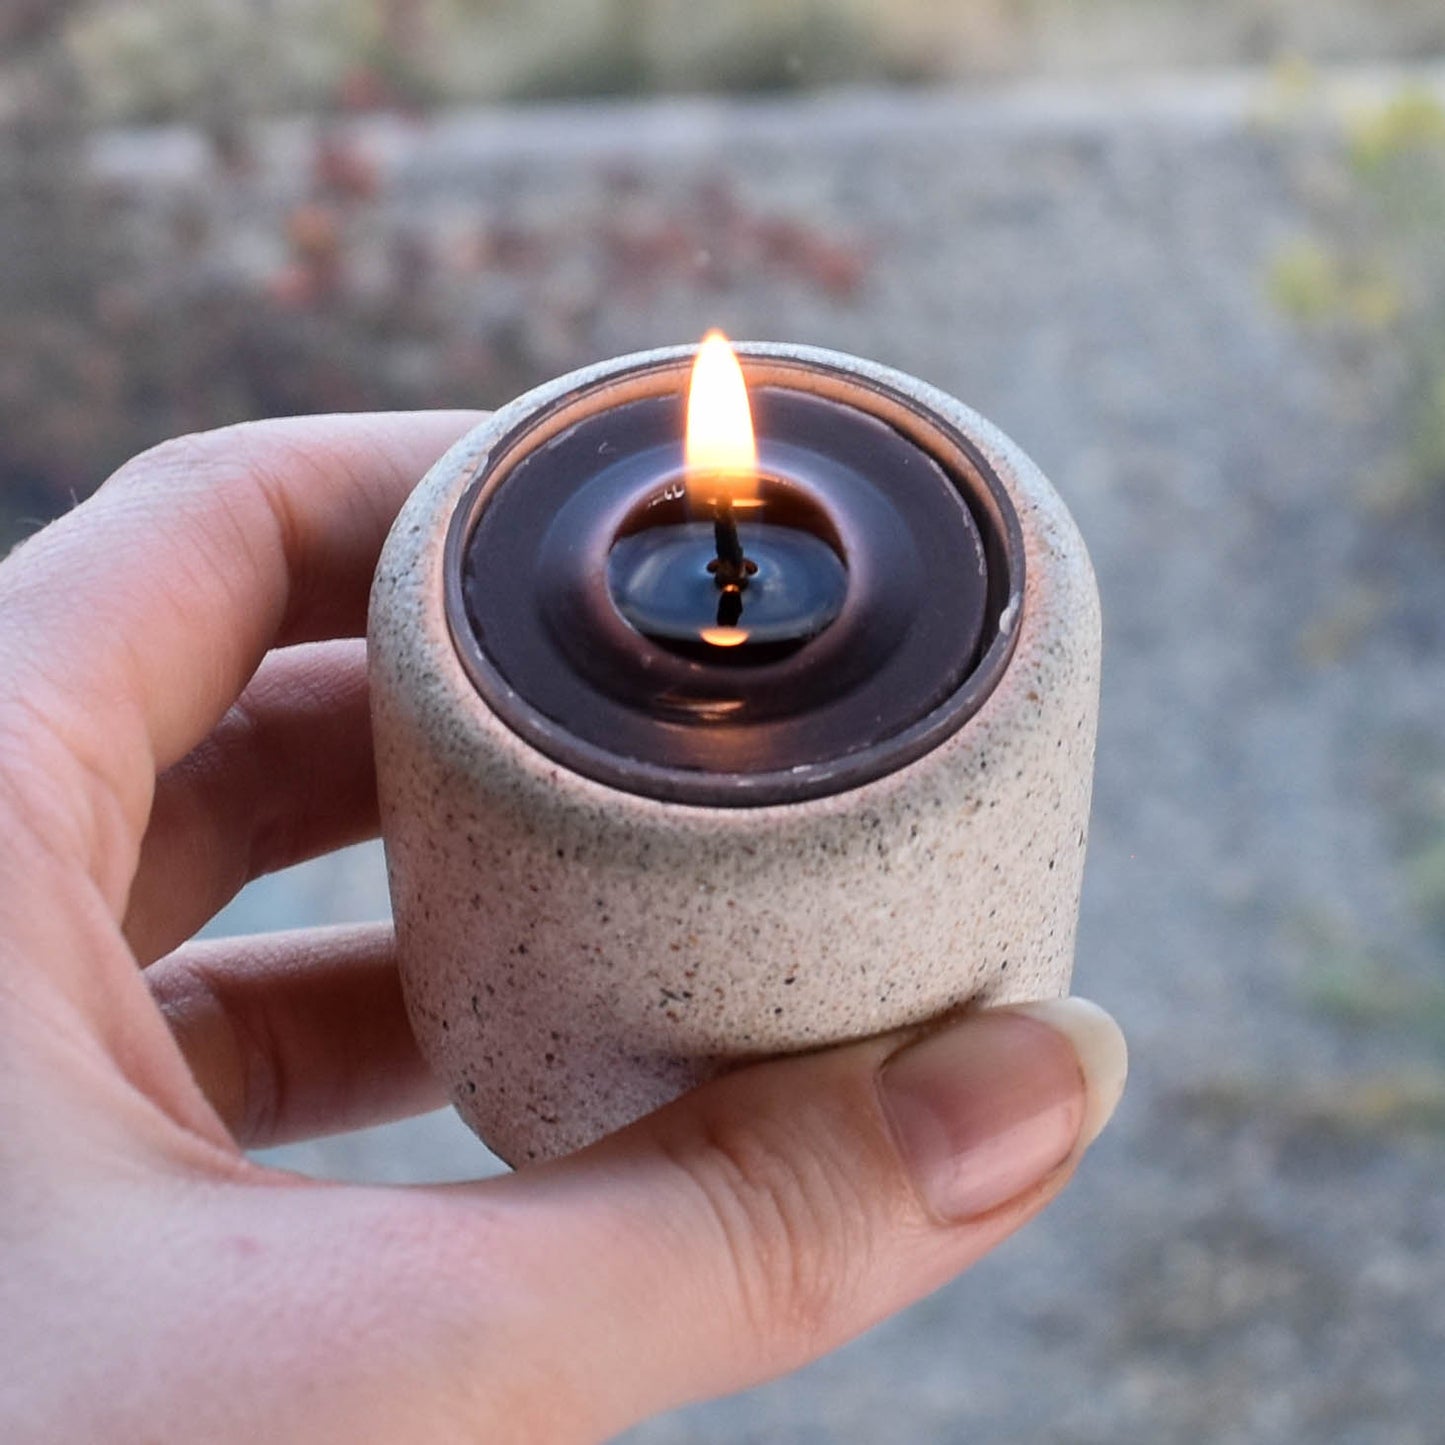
point(582, 940)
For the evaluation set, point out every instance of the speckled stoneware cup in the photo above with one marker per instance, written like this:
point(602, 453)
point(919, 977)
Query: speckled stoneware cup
point(575, 955)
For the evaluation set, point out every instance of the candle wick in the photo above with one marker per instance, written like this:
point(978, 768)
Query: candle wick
point(731, 568)
point(730, 607)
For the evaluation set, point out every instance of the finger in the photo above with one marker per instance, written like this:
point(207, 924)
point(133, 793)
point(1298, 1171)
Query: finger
point(134, 622)
point(781, 1210)
point(294, 1035)
point(286, 775)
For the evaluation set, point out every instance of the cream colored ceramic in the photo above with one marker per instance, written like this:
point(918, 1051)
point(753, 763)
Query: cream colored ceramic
point(574, 956)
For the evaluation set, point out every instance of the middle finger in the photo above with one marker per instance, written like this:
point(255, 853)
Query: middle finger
point(287, 775)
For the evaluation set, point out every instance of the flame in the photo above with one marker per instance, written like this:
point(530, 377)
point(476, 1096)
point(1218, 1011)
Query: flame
point(721, 454)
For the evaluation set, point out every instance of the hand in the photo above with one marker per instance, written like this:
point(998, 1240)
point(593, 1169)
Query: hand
point(183, 707)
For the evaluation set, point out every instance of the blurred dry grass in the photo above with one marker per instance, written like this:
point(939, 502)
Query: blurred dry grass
point(115, 332)
point(130, 312)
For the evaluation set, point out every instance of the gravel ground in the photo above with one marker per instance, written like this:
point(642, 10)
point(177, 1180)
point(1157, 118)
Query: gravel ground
point(1256, 1250)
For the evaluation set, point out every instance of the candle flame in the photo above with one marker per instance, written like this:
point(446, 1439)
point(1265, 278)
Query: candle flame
point(721, 453)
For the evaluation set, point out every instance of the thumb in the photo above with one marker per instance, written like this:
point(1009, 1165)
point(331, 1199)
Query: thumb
point(778, 1211)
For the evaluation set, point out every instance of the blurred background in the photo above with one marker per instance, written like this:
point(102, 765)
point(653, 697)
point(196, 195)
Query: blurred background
point(1192, 258)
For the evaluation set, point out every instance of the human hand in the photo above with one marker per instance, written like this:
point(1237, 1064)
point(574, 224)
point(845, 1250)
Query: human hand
point(183, 707)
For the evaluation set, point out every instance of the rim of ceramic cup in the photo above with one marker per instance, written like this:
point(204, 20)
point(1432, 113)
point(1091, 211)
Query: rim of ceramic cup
point(889, 396)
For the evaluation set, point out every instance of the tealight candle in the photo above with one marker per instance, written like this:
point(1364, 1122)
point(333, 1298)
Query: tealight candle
point(700, 618)
point(720, 710)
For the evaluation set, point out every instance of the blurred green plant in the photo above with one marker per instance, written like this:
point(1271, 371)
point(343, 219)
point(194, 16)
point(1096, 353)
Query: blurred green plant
point(1315, 284)
point(1411, 779)
point(1358, 984)
point(1394, 991)
point(1373, 272)
point(744, 47)
point(170, 59)
point(166, 58)
point(1425, 872)
point(1407, 1101)
point(1406, 130)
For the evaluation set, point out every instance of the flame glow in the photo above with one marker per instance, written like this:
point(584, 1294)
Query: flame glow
point(724, 636)
point(721, 453)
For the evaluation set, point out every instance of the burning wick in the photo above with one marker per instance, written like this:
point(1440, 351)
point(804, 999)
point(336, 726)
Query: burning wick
point(722, 468)
point(730, 568)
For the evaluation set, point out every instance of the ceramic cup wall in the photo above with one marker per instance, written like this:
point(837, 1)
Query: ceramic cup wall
point(574, 955)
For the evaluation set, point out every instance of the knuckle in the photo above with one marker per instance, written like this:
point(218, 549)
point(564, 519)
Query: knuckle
point(252, 507)
point(229, 1046)
point(221, 463)
point(794, 1220)
point(175, 456)
point(207, 453)
point(242, 469)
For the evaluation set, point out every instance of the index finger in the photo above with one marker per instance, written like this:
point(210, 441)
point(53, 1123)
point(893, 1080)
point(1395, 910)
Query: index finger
point(134, 622)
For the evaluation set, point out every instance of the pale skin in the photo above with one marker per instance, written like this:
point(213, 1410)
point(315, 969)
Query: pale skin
point(183, 707)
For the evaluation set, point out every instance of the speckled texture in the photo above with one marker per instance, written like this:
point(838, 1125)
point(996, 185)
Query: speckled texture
point(574, 956)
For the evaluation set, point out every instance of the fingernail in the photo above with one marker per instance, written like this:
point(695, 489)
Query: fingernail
point(1101, 1049)
point(992, 1105)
